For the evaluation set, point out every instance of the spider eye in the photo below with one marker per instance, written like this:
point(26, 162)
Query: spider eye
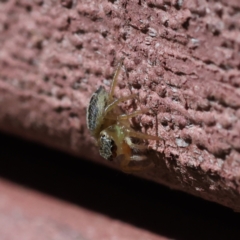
point(107, 147)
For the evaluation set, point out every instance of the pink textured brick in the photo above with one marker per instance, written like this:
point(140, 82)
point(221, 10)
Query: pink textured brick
point(181, 58)
point(26, 214)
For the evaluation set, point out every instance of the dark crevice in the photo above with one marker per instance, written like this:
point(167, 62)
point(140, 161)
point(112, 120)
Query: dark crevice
point(73, 115)
point(225, 67)
point(80, 32)
point(180, 73)
point(223, 153)
point(219, 12)
point(216, 32)
point(158, 6)
point(59, 109)
point(105, 34)
point(208, 62)
point(185, 25)
point(165, 24)
point(228, 44)
point(29, 8)
point(120, 196)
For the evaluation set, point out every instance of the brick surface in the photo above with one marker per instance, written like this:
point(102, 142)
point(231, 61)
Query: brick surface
point(181, 57)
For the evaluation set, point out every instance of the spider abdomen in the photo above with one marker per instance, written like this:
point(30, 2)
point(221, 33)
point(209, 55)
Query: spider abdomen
point(95, 110)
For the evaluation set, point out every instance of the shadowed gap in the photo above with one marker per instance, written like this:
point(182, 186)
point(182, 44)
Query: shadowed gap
point(136, 201)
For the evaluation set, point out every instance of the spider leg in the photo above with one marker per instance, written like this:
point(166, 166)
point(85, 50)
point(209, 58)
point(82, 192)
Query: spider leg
point(131, 169)
point(133, 114)
point(117, 101)
point(114, 81)
point(135, 146)
point(128, 157)
point(132, 133)
point(138, 158)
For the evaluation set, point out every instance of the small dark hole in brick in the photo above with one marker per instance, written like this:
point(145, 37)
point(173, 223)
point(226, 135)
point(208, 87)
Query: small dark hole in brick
point(185, 25)
point(73, 115)
point(59, 109)
point(29, 8)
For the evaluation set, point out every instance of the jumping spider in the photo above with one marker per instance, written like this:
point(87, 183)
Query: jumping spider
point(112, 129)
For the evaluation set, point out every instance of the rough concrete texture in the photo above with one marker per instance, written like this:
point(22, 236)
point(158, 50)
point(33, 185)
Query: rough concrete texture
point(182, 57)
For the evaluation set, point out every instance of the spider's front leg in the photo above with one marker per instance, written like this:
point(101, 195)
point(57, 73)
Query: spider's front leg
point(126, 167)
point(115, 103)
point(130, 132)
point(128, 157)
point(132, 145)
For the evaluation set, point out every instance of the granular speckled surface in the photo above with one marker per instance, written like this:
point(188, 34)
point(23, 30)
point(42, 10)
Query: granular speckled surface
point(182, 57)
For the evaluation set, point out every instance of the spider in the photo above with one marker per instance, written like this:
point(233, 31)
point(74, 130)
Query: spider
point(111, 128)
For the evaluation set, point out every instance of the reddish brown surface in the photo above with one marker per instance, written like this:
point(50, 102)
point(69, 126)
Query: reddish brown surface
point(183, 60)
point(26, 214)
